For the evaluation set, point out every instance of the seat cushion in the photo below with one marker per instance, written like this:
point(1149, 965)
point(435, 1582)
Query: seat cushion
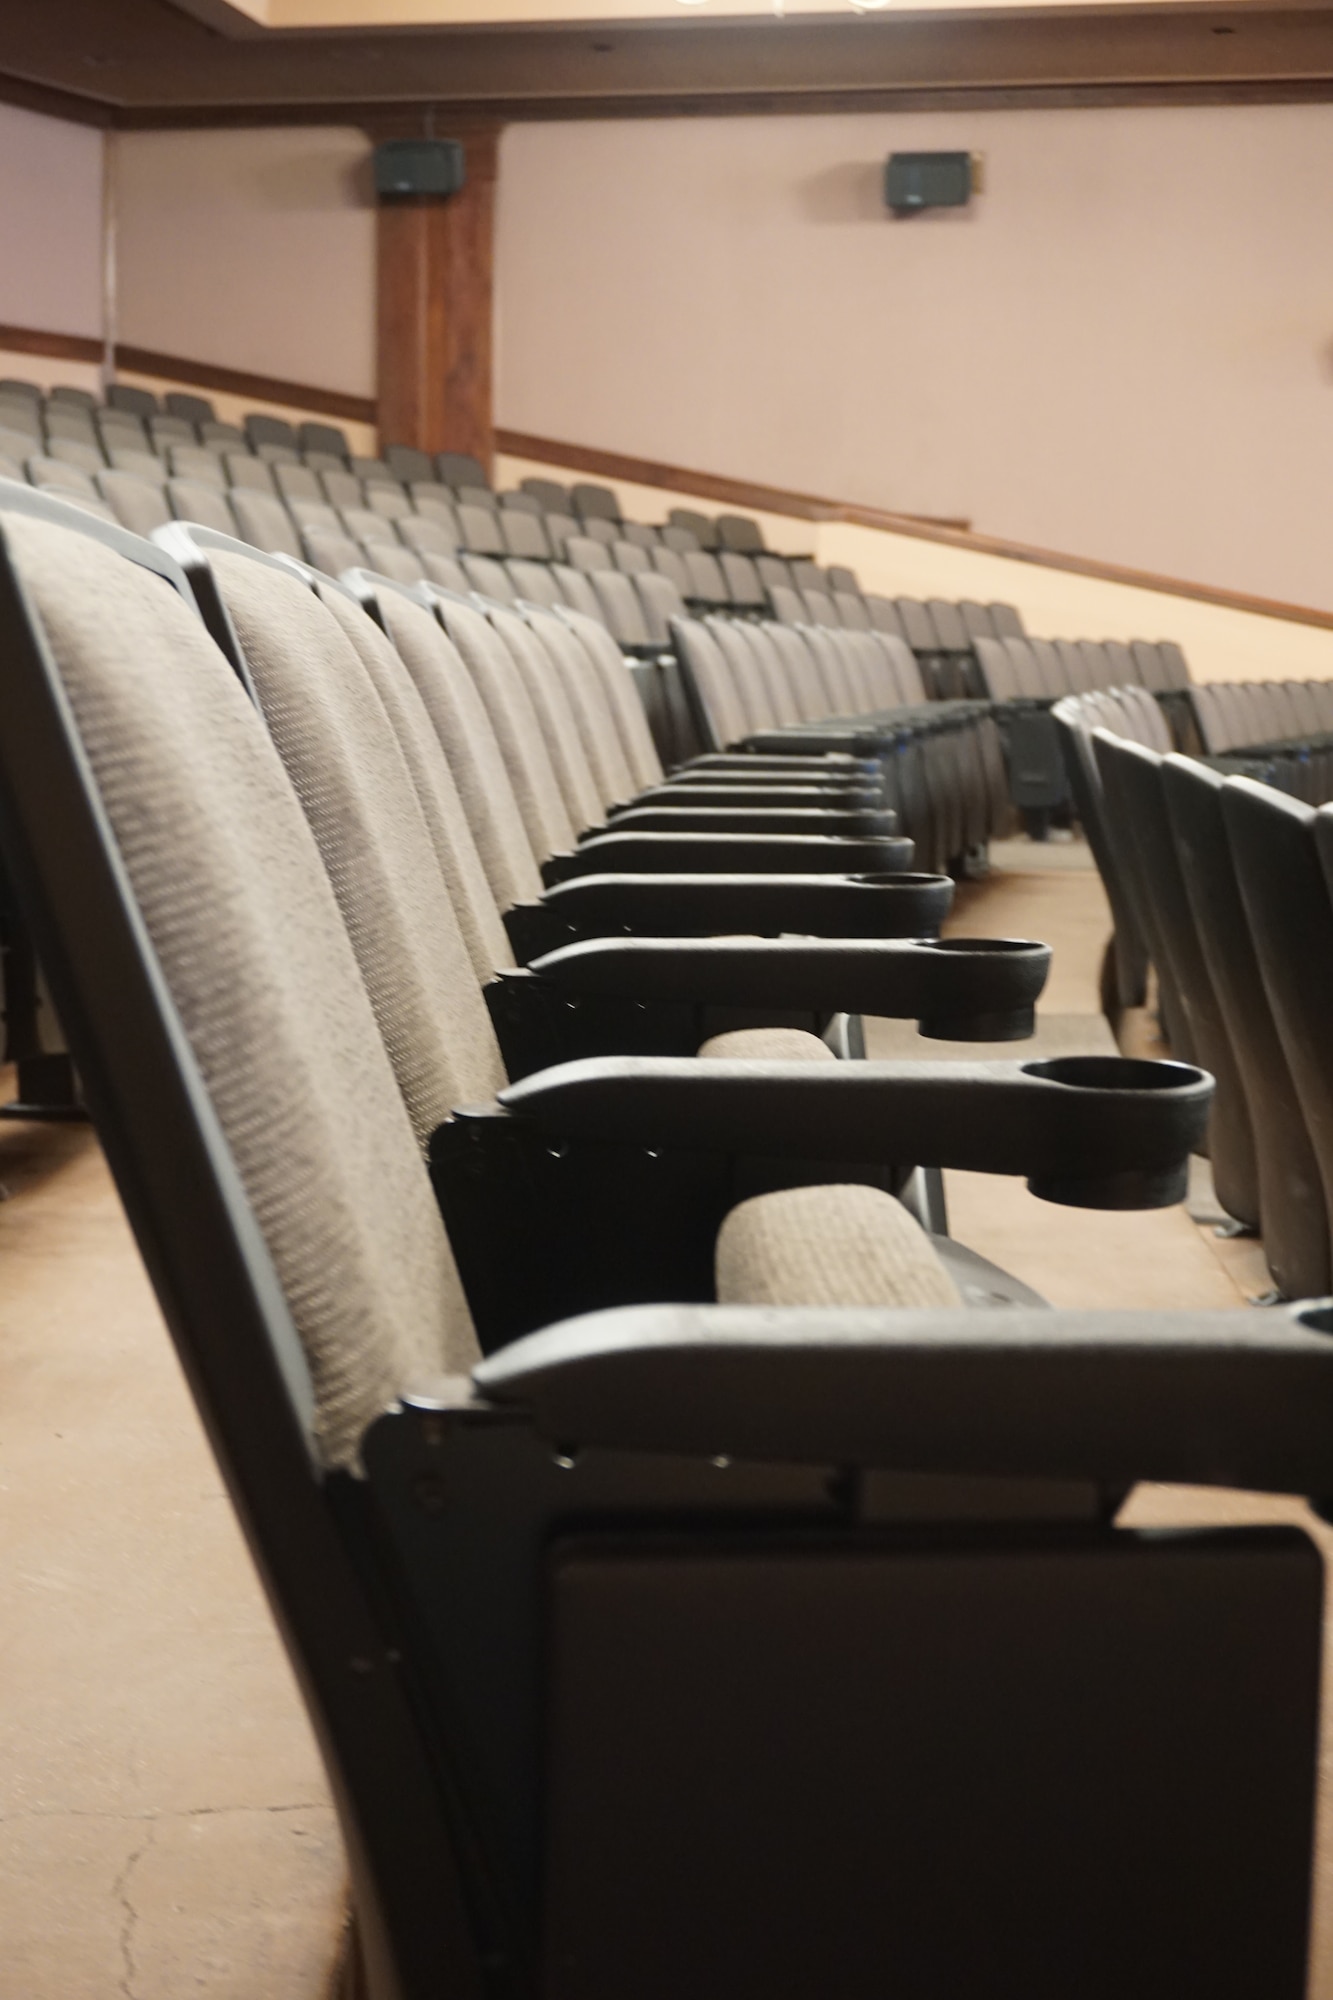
point(767, 1045)
point(844, 1245)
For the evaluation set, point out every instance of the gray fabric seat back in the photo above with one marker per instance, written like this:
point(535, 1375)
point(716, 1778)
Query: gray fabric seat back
point(680, 540)
point(997, 668)
point(820, 608)
point(594, 503)
point(89, 458)
point(389, 501)
point(264, 522)
point(1006, 621)
point(406, 463)
point(459, 468)
point(550, 495)
point(786, 605)
point(631, 558)
point(638, 532)
point(906, 668)
point(589, 705)
point(747, 675)
point(884, 615)
point(781, 694)
point(191, 462)
point(524, 535)
point(46, 471)
point(622, 697)
point(694, 523)
point(243, 470)
point(744, 586)
point(341, 488)
point(488, 578)
point(206, 505)
point(392, 559)
point(363, 524)
point(347, 767)
point(670, 563)
point(463, 729)
point(799, 669)
point(556, 718)
point(533, 582)
point(739, 532)
point(297, 482)
point(559, 528)
point(581, 552)
point(853, 615)
point(325, 438)
point(714, 682)
point(135, 504)
point(447, 823)
point(314, 514)
point(541, 803)
point(433, 503)
point(255, 957)
point(445, 571)
point(620, 607)
point(330, 550)
point(139, 464)
point(577, 592)
point(660, 601)
point(479, 531)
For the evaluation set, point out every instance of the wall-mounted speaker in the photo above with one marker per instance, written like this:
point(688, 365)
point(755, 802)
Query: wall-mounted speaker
point(419, 166)
point(913, 181)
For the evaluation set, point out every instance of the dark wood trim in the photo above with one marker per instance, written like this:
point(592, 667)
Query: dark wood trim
point(53, 103)
point(808, 507)
point(449, 114)
point(55, 346)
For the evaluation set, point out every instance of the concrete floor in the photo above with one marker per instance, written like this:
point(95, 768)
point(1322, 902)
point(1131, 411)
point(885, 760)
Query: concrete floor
point(164, 1823)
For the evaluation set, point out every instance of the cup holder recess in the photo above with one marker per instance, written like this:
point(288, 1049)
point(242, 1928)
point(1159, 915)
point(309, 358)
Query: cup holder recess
point(1115, 1073)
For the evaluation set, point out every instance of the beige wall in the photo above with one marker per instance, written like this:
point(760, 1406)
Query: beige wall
point(50, 224)
point(1123, 350)
point(251, 249)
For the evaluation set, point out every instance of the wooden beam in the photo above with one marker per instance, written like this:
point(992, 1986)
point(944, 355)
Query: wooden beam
point(436, 272)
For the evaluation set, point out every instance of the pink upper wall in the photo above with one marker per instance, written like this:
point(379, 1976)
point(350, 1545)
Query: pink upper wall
point(50, 224)
point(1123, 350)
point(250, 249)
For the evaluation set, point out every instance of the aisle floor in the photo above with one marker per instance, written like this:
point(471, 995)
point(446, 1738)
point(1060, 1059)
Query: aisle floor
point(165, 1826)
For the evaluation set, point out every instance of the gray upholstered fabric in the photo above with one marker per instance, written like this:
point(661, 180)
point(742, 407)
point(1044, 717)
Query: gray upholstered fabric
point(460, 721)
point(239, 910)
point(349, 773)
point(591, 706)
point(517, 730)
point(767, 1045)
point(560, 730)
point(828, 1246)
point(446, 822)
point(635, 736)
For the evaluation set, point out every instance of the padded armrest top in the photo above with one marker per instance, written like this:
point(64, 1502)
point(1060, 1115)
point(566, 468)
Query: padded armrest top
point(1220, 1398)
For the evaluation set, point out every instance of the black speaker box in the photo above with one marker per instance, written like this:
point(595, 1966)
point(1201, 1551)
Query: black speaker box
point(914, 181)
point(419, 166)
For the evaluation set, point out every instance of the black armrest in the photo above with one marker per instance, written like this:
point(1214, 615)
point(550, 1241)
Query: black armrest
point(728, 853)
point(755, 767)
point(1222, 1398)
point(1086, 1131)
point(688, 905)
point(724, 791)
point(976, 989)
point(758, 817)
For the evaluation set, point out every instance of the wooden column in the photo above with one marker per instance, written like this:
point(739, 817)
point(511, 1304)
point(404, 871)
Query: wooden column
point(435, 258)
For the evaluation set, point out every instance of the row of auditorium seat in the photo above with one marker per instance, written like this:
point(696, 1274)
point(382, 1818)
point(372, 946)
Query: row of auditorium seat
point(666, 1649)
point(1222, 881)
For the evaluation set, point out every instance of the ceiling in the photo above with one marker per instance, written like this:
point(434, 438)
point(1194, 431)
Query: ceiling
point(390, 64)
